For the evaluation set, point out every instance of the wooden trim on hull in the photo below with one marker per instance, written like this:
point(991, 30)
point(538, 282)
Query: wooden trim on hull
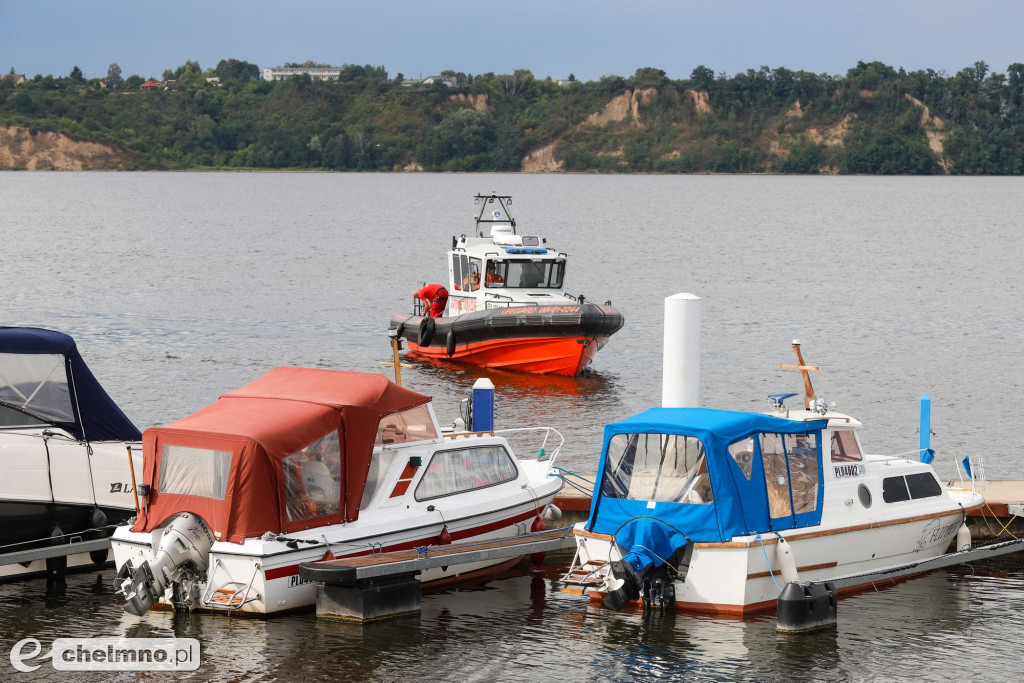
point(538, 355)
point(833, 532)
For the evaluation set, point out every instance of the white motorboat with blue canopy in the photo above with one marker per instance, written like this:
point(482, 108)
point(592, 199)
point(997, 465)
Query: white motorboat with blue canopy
point(716, 510)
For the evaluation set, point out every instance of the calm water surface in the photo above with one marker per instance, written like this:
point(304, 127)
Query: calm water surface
point(181, 286)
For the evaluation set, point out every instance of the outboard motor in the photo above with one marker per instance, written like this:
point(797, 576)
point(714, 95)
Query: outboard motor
point(183, 555)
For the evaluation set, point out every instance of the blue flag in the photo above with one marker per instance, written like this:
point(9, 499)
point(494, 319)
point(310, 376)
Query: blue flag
point(967, 466)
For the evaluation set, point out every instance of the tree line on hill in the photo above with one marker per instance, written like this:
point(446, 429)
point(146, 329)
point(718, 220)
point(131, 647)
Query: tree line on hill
point(875, 119)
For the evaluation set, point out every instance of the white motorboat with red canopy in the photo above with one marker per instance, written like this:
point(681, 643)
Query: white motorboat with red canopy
point(305, 464)
point(507, 307)
point(717, 510)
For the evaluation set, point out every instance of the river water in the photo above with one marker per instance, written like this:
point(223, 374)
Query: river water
point(181, 286)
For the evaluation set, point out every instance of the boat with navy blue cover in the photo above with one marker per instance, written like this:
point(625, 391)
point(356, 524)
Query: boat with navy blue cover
point(507, 307)
point(65, 449)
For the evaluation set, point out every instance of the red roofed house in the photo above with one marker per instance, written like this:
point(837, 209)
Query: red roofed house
point(150, 84)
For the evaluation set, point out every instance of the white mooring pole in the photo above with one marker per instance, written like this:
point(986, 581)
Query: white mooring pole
point(680, 381)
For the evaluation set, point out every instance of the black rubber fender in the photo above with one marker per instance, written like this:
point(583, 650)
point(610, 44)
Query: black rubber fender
point(449, 343)
point(427, 327)
point(400, 330)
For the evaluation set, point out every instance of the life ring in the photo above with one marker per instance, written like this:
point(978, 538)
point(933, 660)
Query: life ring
point(427, 327)
point(449, 343)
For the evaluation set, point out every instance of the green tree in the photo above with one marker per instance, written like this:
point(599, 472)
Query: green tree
point(459, 142)
point(76, 75)
point(647, 77)
point(702, 77)
point(114, 76)
point(236, 71)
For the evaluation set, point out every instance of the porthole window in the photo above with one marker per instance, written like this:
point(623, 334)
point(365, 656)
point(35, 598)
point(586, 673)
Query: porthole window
point(865, 495)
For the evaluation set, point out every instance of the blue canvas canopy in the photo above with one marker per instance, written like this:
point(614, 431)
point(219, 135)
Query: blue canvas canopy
point(42, 373)
point(652, 465)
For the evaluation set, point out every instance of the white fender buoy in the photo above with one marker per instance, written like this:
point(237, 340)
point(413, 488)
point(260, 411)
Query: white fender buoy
point(787, 563)
point(552, 513)
point(963, 538)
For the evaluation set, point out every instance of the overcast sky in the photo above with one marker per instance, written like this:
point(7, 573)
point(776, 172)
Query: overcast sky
point(587, 38)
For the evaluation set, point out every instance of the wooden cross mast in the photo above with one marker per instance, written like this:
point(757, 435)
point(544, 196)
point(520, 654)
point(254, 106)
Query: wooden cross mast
point(804, 371)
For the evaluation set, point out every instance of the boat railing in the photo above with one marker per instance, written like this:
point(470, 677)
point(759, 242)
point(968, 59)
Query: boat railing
point(970, 468)
point(546, 442)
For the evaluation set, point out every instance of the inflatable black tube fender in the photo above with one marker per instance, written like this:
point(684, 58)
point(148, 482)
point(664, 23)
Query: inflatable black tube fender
point(449, 343)
point(400, 330)
point(427, 327)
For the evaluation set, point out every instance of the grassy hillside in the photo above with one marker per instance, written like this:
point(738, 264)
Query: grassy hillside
point(874, 119)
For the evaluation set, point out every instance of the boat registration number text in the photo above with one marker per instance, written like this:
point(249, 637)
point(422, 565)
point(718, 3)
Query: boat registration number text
point(841, 471)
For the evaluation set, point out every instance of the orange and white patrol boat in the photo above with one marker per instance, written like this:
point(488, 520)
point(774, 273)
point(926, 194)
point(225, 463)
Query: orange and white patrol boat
point(507, 308)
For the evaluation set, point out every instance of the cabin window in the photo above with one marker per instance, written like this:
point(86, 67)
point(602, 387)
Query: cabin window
point(913, 486)
point(465, 469)
point(457, 270)
point(312, 479)
point(539, 274)
point(790, 473)
point(190, 471)
point(414, 424)
point(894, 490)
point(923, 485)
point(470, 275)
point(496, 275)
point(657, 467)
point(845, 447)
point(743, 453)
point(36, 383)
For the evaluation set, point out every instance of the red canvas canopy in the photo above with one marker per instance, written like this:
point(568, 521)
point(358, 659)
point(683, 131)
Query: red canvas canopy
point(257, 427)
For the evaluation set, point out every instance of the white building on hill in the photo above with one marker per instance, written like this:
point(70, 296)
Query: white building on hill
point(324, 73)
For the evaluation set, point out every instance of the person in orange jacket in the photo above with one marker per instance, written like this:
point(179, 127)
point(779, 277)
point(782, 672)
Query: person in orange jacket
point(435, 298)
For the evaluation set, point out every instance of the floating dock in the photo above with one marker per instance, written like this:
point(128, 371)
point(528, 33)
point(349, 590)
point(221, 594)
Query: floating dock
point(384, 585)
point(53, 559)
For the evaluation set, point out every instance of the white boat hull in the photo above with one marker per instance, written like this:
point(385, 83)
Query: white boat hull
point(745, 574)
point(261, 577)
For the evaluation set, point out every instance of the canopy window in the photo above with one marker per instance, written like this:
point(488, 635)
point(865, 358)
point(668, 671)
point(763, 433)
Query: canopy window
point(790, 472)
point(194, 471)
point(409, 425)
point(312, 479)
point(743, 453)
point(36, 383)
point(465, 469)
point(657, 467)
point(845, 447)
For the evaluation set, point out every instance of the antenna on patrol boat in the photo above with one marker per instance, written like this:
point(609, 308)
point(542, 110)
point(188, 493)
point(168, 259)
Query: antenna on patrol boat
point(804, 371)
